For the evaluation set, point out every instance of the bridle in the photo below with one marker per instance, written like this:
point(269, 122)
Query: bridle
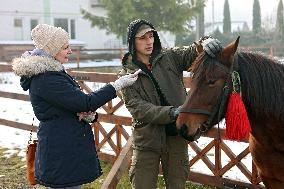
point(218, 110)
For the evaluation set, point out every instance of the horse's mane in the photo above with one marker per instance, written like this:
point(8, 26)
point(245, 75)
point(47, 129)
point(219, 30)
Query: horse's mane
point(262, 84)
point(262, 81)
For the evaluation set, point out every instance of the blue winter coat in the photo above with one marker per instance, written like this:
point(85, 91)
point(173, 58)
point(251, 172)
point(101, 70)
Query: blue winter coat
point(66, 153)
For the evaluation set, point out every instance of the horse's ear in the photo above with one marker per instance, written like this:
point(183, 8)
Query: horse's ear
point(199, 47)
point(230, 50)
point(232, 47)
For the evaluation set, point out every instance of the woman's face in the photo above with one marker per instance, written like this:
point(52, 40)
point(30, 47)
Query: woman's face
point(62, 55)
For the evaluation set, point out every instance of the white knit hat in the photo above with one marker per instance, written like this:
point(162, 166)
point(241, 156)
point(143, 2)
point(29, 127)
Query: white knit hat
point(49, 38)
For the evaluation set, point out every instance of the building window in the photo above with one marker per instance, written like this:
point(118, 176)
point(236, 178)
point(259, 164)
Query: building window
point(18, 29)
point(61, 22)
point(67, 25)
point(72, 29)
point(34, 23)
point(18, 22)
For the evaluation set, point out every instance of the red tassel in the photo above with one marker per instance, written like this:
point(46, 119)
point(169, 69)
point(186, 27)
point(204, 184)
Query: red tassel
point(237, 122)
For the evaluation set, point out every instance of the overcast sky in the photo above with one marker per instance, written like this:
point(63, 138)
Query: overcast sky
point(241, 10)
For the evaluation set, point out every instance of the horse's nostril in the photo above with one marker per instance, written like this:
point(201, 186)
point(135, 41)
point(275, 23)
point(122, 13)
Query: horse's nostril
point(183, 132)
point(184, 129)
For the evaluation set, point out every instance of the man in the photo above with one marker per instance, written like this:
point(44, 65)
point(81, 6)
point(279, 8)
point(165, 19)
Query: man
point(153, 102)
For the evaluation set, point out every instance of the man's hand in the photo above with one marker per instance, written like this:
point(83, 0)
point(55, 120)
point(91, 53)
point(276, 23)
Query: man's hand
point(174, 112)
point(210, 45)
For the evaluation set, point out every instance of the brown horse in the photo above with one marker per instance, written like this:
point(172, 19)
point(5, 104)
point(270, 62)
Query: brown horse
point(262, 89)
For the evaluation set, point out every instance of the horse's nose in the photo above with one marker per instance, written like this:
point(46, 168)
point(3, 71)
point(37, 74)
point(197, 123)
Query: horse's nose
point(183, 132)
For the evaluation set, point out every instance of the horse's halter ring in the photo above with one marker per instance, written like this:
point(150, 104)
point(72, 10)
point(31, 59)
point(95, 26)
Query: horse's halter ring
point(218, 110)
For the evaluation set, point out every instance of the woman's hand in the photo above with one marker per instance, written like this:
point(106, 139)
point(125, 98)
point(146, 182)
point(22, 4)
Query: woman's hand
point(89, 117)
point(126, 80)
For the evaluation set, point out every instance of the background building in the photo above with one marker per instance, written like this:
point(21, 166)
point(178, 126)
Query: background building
point(18, 17)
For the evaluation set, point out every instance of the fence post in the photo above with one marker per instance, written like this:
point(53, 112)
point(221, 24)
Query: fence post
point(271, 51)
point(119, 167)
point(118, 138)
point(78, 58)
point(121, 53)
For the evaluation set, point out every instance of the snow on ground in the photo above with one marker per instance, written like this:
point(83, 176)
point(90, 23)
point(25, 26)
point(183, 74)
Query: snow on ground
point(21, 111)
point(90, 63)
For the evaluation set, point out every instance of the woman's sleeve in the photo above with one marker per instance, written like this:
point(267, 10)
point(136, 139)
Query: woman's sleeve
point(56, 89)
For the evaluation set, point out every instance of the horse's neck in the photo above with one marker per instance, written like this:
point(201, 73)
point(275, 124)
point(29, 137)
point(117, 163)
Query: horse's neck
point(262, 80)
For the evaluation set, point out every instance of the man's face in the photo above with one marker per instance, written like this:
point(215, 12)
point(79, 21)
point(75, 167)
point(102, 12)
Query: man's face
point(144, 44)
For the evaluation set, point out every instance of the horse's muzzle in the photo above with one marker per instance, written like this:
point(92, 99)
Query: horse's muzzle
point(183, 133)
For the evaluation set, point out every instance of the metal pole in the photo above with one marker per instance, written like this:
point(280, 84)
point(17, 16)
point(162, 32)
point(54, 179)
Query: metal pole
point(213, 20)
point(78, 58)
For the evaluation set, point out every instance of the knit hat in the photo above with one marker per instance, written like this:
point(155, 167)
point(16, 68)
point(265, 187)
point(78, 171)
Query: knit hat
point(49, 38)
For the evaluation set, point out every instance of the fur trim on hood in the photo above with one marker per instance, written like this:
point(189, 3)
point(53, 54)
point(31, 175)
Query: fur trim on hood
point(33, 65)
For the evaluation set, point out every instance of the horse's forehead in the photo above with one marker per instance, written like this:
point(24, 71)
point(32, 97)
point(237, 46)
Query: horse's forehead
point(203, 64)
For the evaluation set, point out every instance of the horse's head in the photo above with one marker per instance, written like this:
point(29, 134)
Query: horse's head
point(203, 107)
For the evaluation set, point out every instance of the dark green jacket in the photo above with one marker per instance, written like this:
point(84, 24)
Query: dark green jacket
point(143, 102)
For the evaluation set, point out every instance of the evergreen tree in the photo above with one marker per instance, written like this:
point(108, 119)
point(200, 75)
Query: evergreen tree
point(279, 21)
point(227, 18)
point(167, 15)
point(256, 18)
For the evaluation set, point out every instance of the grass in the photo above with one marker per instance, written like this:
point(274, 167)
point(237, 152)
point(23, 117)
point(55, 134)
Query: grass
point(125, 184)
point(13, 176)
point(13, 172)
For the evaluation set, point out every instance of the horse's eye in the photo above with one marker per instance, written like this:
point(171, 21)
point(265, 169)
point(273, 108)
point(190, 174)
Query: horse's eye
point(211, 82)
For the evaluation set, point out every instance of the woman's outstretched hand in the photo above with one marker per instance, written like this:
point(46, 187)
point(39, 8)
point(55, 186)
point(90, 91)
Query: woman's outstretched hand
point(126, 80)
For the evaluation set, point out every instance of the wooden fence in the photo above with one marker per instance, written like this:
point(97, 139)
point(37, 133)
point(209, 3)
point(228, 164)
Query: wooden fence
point(121, 155)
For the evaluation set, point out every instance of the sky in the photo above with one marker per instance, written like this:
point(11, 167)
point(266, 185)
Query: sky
point(241, 10)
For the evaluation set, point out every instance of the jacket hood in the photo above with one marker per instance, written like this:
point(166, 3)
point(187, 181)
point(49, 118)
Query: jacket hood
point(27, 67)
point(131, 32)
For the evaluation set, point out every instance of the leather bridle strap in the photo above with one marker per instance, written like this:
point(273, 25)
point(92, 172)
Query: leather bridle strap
point(201, 111)
point(194, 111)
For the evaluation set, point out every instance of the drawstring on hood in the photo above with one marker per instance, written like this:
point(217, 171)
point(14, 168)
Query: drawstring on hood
point(132, 31)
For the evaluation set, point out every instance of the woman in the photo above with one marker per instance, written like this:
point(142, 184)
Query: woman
point(66, 154)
